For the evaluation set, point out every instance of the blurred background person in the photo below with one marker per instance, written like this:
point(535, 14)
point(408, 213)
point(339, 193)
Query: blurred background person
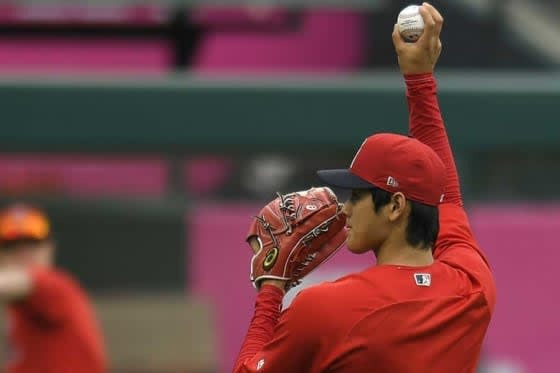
point(52, 326)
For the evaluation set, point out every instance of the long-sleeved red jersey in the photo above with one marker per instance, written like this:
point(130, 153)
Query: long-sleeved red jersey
point(54, 329)
point(388, 318)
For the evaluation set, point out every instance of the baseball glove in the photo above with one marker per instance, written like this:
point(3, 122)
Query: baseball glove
point(296, 232)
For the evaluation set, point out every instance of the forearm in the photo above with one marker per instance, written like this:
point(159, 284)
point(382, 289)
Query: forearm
point(265, 319)
point(426, 124)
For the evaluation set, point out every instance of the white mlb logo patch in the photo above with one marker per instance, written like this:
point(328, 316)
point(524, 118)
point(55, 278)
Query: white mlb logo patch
point(423, 279)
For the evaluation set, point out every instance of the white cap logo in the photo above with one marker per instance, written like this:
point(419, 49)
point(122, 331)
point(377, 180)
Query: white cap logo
point(392, 182)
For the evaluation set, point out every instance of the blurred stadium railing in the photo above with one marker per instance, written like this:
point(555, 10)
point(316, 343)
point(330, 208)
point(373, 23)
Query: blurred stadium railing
point(492, 115)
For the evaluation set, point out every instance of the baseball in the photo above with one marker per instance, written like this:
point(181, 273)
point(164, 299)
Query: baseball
point(410, 23)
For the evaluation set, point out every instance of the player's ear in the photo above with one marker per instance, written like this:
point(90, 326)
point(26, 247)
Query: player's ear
point(397, 206)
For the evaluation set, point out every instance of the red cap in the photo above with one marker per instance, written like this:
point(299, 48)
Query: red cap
point(23, 222)
point(394, 163)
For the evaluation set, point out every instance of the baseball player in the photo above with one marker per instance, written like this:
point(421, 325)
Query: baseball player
point(51, 325)
point(426, 305)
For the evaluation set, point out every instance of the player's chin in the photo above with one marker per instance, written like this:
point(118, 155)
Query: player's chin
point(355, 246)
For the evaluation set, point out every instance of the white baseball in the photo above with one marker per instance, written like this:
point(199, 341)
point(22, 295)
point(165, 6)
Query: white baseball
point(410, 23)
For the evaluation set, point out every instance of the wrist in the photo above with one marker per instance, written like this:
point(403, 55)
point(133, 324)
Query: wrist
point(420, 84)
point(417, 77)
point(273, 286)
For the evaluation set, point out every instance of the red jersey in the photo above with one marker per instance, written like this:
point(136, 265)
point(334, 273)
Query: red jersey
point(54, 330)
point(388, 318)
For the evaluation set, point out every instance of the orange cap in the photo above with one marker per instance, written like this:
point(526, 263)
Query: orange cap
point(23, 222)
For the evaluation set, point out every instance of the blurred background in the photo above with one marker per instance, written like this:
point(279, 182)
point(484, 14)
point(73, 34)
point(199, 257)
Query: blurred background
point(151, 132)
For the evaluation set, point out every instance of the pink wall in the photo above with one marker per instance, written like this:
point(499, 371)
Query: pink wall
point(80, 175)
point(520, 242)
point(54, 55)
point(324, 41)
point(64, 55)
point(247, 39)
point(522, 246)
point(15, 12)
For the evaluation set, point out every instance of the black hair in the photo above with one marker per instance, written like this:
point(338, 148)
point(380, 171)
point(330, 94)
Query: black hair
point(423, 221)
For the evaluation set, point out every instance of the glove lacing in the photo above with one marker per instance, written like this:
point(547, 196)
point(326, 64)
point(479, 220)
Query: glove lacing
point(289, 213)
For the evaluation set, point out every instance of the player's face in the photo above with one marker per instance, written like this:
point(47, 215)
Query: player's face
point(30, 253)
point(366, 228)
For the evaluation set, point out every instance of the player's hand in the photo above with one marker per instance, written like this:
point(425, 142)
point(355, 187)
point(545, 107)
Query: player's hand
point(421, 56)
point(278, 283)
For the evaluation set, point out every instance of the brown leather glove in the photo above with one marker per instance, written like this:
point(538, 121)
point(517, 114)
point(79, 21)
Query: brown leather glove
point(296, 232)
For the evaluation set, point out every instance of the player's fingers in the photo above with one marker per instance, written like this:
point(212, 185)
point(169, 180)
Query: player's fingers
point(438, 19)
point(429, 22)
point(435, 13)
point(398, 42)
point(432, 29)
point(427, 38)
point(255, 244)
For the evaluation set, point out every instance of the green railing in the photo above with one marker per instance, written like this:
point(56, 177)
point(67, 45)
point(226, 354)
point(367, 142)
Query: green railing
point(184, 114)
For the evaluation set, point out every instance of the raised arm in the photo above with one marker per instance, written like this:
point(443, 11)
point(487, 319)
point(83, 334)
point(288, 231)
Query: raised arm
point(417, 62)
point(426, 124)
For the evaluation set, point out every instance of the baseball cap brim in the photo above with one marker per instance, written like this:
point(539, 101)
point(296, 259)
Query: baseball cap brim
point(344, 179)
